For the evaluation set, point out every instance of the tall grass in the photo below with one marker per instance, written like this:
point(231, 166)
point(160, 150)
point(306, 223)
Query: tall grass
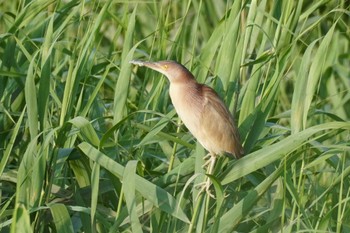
point(89, 143)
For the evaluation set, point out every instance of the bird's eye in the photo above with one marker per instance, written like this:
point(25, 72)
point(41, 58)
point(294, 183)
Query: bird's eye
point(165, 67)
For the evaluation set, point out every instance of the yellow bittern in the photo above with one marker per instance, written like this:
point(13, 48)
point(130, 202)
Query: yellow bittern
point(201, 110)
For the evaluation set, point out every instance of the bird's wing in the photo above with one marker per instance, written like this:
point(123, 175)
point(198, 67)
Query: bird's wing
point(219, 124)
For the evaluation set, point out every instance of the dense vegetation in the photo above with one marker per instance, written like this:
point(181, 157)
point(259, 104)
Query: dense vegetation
point(90, 143)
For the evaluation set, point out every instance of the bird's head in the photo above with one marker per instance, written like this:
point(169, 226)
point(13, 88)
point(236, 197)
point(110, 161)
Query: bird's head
point(173, 70)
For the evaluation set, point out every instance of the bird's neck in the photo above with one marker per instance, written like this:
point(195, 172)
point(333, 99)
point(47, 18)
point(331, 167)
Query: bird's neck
point(185, 78)
point(186, 92)
point(187, 101)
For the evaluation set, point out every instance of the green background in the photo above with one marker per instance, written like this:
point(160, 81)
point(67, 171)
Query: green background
point(91, 143)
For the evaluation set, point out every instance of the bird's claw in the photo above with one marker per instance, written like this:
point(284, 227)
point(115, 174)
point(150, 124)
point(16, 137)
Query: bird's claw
point(207, 160)
point(205, 187)
point(209, 164)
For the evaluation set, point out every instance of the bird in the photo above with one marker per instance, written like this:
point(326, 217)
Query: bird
point(201, 110)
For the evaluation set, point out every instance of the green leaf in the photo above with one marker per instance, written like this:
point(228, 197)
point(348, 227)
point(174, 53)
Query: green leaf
point(129, 183)
point(21, 220)
point(86, 129)
point(316, 69)
point(155, 194)
point(233, 216)
point(269, 154)
point(95, 182)
point(61, 218)
point(122, 86)
point(10, 145)
point(31, 99)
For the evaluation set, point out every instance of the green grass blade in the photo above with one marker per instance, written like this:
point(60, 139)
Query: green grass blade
point(225, 66)
point(44, 83)
point(299, 94)
point(129, 183)
point(86, 129)
point(31, 100)
point(67, 90)
point(122, 86)
point(269, 154)
point(158, 196)
point(10, 145)
point(231, 218)
point(61, 218)
point(316, 70)
point(95, 182)
point(21, 221)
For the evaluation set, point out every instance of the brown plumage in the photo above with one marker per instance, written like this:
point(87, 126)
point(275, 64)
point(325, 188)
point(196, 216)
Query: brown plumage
point(201, 110)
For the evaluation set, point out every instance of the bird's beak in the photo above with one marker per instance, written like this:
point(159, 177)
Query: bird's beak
point(153, 65)
point(136, 62)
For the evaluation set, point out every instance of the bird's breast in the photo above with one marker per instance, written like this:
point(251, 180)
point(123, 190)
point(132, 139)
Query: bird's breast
point(206, 117)
point(188, 105)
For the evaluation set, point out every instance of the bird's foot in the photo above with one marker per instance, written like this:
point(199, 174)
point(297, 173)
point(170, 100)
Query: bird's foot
point(205, 187)
point(209, 165)
point(208, 161)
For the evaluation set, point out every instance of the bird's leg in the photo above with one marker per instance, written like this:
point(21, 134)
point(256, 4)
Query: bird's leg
point(210, 170)
point(207, 160)
point(206, 157)
point(210, 163)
